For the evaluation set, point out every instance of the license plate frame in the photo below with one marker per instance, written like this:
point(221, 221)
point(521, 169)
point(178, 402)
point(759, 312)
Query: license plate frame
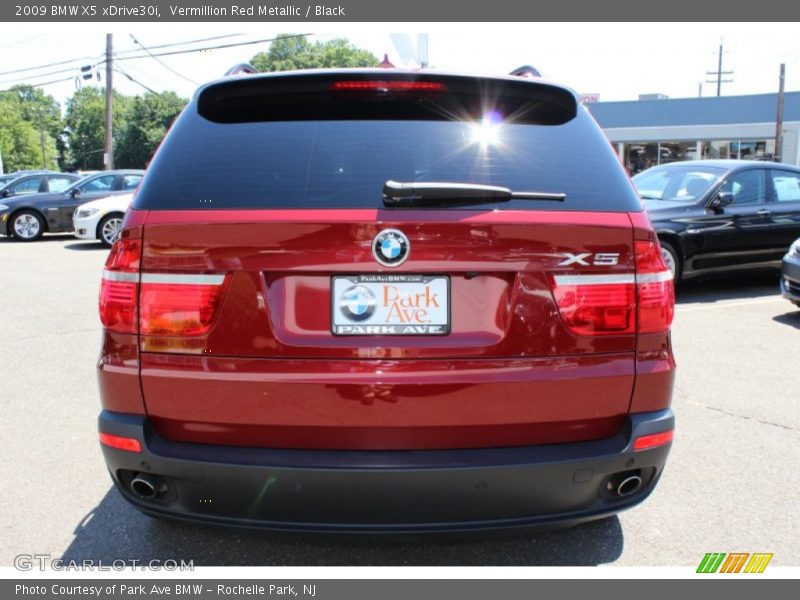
point(344, 326)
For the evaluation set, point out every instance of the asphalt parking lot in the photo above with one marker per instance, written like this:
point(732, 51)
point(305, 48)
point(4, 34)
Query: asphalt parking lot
point(730, 484)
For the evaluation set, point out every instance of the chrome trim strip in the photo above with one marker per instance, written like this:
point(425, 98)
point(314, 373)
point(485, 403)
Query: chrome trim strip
point(595, 279)
point(183, 278)
point(654, 277)
point(125, 276)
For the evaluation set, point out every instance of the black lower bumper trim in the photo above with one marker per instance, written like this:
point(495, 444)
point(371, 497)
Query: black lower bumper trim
point(387, 491)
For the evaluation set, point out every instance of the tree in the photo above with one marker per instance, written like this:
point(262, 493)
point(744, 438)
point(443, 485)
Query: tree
point(289, 53)
point(149, 118)
point(85, 123)
point(19, 141)
point(86, 128)
point(43, 116)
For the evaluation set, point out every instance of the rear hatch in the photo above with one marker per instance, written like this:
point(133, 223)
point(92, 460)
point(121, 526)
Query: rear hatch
point(321, 268)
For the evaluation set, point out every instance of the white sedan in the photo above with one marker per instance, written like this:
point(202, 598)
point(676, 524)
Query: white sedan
point(101, 219)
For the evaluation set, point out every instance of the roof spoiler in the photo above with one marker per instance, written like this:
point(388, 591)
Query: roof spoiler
point(241, 69)
point(525, 71)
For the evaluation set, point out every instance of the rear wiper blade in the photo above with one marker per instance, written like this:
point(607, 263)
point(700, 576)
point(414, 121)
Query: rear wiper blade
point(439, 193)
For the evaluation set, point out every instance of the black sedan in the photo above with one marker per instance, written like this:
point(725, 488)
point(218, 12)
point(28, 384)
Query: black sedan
point(24, 183)
point(790, 274)
point(722, 215)
point(28, 217)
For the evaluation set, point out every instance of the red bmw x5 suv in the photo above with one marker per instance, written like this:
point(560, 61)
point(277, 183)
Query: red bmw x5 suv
point(385, 301)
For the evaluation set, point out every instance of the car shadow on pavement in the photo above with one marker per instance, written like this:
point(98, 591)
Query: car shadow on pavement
point(82, 246)
point(790, 318)
point(55, 237)
point(758, 284)
point(116, 531)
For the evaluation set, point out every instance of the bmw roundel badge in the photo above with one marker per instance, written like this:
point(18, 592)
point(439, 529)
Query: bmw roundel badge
point(357, 303)
point(391, 247)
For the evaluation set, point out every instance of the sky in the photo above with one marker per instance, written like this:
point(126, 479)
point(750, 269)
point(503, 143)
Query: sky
point(618, 61)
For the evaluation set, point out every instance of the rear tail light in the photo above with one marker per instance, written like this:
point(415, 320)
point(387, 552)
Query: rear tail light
point(653, 440)
point(618, 304)
point(119, 287)
point(120, 443)
point(596, 304)
point(654, 287)
point(157, 304)
point(179, 304)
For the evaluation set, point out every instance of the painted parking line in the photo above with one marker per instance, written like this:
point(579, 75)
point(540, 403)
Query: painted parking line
point(727, 304)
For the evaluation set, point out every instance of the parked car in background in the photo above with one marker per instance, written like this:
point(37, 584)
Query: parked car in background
point(376, 300)
point(722, 215)
point(5, 179)
point(28, 217)
point(25, 183)
point(101, 219)
point(790, 274)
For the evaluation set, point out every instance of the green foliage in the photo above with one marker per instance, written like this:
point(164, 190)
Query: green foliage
point(19, 142)
point(288, 53)
point(30, 129)
point(85, 126)
point(33, 133)
point(149, 117)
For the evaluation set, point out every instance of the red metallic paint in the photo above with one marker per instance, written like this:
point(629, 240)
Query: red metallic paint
point(386, 404)
point(118, 373)
point(269, 373)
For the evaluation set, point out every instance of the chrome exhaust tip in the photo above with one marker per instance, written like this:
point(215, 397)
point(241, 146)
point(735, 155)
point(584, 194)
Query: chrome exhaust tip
point(629, 485)
point(145, 486)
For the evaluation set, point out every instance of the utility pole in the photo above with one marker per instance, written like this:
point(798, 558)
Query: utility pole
point(779, 120)
point(41, 137)
point(109, 146)
point(719, 73)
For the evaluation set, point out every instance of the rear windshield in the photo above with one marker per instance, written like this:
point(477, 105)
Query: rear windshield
point(330, 150)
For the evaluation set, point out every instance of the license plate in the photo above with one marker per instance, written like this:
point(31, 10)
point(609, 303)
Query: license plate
point(390, 305)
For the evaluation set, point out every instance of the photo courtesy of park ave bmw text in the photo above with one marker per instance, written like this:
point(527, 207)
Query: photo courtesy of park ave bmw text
point(469, 290)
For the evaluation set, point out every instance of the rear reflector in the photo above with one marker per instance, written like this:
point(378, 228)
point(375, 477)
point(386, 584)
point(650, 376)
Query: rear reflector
point(619, 304)
point(120, 443)
point(653, 440)
point(389, 86)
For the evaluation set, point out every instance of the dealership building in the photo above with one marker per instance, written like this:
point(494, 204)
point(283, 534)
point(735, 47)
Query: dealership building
point(655, 129)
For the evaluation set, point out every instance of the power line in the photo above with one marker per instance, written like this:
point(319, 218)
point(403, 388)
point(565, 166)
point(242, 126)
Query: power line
point(152, 55)
point(45, 83)
point(144, 76)
point(85, 58)
point(25, 41)
point(55, 64)
point(172, 44)
point(48, 74)
point(218, 47)
point(161, 62)
point(136, 81)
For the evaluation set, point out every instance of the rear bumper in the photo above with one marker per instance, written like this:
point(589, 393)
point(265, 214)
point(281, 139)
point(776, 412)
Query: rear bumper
point(790, 277)
point(386, 491)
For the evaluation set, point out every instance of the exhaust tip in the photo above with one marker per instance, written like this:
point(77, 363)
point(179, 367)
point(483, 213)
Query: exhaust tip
point(144, 486)
point(629, 485)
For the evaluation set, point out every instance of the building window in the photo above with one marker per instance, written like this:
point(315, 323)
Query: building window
point(742, 149)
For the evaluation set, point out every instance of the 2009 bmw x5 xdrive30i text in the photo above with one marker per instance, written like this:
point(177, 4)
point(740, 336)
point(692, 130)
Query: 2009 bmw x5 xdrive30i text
point(385, 301)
